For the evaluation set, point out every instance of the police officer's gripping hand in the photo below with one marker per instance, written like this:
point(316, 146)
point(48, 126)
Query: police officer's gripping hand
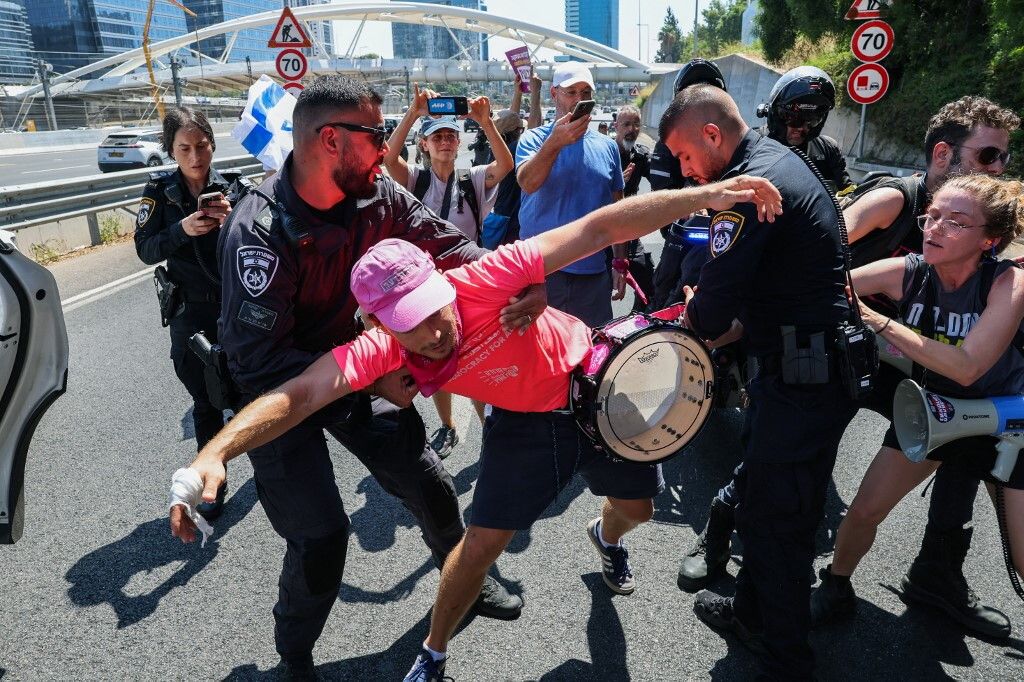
point(524, 308)
point(745, 189)
point(398, 387)
point(566, 132)
point(212, 473)
point(198, 223)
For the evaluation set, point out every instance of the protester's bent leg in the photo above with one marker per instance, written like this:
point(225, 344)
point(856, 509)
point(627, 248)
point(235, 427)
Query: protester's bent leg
point(888, 480)
point(619, 516)
point(391, 443)
point(479, 407)
point(296, 486)
point(443, 403)
point(461, 579)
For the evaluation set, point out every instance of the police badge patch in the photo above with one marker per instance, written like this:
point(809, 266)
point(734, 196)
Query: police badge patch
point(146, 207)
point(725, 228)
point(256, 267)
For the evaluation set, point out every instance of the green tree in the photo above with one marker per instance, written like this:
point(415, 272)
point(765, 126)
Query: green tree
point(669, 38)
point(723, 23)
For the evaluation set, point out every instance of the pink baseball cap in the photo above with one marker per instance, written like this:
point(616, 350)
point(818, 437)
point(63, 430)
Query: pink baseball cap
point(397, 282)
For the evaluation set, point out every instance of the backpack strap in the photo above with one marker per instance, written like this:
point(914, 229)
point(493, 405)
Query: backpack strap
point(422, 184)
point(468, 192)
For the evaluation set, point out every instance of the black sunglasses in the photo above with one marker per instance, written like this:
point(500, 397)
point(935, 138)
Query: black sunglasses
point(379, 134)
point(988, 155)
point(797, 119)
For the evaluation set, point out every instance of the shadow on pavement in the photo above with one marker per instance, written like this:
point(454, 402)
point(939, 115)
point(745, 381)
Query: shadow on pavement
point(104, 575)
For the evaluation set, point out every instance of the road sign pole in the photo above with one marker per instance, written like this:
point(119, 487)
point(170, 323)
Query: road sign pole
point(863, 127)
point(44, 75)
point(177, 82)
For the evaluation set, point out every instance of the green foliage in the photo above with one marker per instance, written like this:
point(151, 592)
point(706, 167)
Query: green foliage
point(49, 251)
point(723, 23)
point(669, 38)
point(110, 229)
point(775, 28)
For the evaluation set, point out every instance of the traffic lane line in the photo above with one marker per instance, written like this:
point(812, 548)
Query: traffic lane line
point(51, 170)
point(100, 292)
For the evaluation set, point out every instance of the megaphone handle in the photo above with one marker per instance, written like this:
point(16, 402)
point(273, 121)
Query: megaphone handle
point(1006, 459)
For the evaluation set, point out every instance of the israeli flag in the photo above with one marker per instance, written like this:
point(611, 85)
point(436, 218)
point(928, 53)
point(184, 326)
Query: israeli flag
point(265, 129)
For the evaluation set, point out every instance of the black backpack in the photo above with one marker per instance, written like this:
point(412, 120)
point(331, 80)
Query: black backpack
point(881, 244)
point(467, 193)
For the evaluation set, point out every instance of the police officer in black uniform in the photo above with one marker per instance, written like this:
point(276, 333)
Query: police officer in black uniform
point(171, 227)
point(784, 281)
point(797, 109)
point(286, 253)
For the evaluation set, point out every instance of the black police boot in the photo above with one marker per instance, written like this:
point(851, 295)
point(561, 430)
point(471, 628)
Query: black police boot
point(211, 511)
point(297, 668)
point(497, 602)
point(718, 612)
point(936, 578)
point(709, 556)
point(834, 598)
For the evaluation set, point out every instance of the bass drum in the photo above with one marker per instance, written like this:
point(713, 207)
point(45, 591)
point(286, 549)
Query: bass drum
point(645, 391)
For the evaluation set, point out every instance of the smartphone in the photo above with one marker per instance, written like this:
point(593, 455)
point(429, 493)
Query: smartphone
point(205, 200)
point(448, 106)
point(583, 107)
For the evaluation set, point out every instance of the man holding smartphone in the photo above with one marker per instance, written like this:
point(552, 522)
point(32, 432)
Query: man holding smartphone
point(566, 171)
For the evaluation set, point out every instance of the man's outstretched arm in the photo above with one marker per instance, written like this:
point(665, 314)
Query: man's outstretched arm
point(636, 216)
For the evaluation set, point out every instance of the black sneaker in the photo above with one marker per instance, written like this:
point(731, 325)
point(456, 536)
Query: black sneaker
point(211, 511)
point(444, 441)
point(426, 669)
point(497, 602)
point(832, 599)
point(297, 669)
point(717, 612)
point(615, 570)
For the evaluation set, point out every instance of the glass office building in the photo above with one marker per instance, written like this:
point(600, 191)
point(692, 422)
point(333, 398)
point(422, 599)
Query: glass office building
point(410, 41)
point(17, 63)
point(597, 20)
point(73, 33)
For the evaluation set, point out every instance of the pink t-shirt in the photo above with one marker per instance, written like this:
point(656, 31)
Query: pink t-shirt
point(526, 372)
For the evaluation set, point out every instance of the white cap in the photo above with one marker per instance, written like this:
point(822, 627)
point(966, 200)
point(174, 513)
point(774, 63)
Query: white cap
point(571, 73)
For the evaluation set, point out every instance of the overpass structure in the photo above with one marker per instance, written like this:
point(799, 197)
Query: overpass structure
point(124, 72)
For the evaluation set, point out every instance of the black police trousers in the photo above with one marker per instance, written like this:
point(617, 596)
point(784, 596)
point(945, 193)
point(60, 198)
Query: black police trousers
point(791, 438)
point(296, 485)
point(196, 317)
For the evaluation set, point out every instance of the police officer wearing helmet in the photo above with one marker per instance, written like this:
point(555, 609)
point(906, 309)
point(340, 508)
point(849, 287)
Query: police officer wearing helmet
point(665, 174)
point(172, 227)
point(785, 282)
point(797, 109)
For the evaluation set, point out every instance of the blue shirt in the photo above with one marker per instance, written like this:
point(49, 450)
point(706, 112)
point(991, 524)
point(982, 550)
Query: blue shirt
point(582, 179)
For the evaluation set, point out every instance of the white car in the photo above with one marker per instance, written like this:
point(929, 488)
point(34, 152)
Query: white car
point(131, 149)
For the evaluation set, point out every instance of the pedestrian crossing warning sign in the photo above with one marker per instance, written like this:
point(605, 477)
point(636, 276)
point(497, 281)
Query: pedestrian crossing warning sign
point(288, 32)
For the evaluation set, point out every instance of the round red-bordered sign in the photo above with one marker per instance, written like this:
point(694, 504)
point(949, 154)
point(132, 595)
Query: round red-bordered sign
point(291, 64)
point(872, 41)
point(867, 83)
point(293, 88)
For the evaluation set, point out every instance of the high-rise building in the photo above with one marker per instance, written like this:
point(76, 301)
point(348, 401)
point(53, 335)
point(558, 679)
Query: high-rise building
point(17, 63)
point(410, 41)
point(597, 20)
point(73, 33)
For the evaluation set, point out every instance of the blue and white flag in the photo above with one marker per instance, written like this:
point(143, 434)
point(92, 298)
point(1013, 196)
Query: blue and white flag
point(265, 129)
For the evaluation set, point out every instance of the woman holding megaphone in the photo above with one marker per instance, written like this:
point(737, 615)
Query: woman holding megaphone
point(960, 310)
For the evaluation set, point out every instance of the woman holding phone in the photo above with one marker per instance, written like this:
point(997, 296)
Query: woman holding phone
point(179, 218)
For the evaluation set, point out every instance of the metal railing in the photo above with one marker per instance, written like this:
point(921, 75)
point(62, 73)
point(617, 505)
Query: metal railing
point(40, 203)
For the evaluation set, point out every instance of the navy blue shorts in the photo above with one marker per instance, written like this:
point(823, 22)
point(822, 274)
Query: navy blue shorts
point(529, 457)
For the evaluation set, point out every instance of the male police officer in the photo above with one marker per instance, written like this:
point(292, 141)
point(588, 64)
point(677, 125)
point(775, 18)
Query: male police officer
point(785, 283)
point(285, 257)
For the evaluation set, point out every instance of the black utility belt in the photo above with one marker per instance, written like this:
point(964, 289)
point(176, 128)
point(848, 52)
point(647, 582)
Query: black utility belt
point(846, 353)
point(206, 297)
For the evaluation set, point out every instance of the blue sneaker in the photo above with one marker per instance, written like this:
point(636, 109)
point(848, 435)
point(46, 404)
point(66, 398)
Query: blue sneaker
point(614, 562)
point(426, 669)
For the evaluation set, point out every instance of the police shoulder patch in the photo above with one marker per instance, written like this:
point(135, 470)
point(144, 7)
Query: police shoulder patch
point(146, 207)
point(256, 266)
point(725, 228)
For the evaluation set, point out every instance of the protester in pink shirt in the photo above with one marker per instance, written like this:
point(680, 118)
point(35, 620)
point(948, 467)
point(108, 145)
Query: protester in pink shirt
point(445, 330)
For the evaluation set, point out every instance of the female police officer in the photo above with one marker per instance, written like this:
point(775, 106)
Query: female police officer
point(172, 227)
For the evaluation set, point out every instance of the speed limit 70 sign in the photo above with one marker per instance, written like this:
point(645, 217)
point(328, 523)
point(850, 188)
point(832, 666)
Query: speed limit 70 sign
point(291, 64)
point(872, 41)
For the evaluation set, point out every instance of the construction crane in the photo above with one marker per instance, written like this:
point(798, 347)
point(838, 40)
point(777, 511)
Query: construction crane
point(157, 99)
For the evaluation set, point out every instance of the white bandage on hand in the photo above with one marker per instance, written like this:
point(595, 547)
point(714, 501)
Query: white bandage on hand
point(187, 490)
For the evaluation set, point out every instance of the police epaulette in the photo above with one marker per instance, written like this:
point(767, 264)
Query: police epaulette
point(157, 176)
point(274, 213)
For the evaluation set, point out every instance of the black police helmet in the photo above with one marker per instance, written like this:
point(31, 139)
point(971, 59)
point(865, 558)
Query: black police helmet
point(804, 92)
point(699, 71)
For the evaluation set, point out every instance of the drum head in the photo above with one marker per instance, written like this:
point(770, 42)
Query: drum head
point(654, 395)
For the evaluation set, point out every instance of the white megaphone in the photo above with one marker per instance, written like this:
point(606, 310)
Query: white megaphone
point(926, 420)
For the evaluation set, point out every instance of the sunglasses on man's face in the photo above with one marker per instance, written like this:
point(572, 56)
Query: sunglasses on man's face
point(988, 155)
point(799, 119)
point(380, 135)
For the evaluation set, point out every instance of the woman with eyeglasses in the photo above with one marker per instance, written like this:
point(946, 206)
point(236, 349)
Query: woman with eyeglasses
point(966, 347)
point(463, 198)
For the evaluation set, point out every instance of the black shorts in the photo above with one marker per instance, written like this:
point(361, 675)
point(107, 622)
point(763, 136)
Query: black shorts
point(529, 457)
point(976, 455)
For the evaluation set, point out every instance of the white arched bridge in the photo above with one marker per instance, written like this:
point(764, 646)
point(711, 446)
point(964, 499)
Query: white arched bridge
point(124, 71)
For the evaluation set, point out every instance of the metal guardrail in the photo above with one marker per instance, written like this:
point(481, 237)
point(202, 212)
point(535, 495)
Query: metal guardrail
point(39, 203)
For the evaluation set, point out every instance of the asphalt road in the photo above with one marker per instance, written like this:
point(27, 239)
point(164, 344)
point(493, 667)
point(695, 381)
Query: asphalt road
point(97, 588)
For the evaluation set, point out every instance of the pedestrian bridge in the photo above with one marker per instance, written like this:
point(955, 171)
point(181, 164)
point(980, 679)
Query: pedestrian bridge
point(215, 72)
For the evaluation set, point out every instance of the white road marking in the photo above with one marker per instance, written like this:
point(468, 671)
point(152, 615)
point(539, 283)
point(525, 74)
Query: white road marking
point(99, 292)
point(51, 170)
